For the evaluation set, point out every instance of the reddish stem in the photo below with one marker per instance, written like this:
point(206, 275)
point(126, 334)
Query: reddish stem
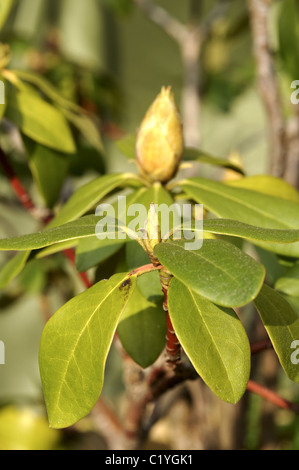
point(261, 346)
point(44, 216)
point(173, 347)
point(147, 268)
point(17, 186)
point(272, 397)
point(69, 253)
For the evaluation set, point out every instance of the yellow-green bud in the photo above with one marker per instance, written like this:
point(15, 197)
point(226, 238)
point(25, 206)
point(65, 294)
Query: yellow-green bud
point(160, 142)
point(153, 229)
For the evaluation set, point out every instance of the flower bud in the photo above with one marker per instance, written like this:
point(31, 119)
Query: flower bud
point(160, 142)
point(153, 228)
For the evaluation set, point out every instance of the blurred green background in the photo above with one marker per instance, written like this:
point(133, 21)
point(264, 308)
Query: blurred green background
point(108, 57)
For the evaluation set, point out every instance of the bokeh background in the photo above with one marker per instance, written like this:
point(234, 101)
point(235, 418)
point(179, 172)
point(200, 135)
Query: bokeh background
point(110, 58)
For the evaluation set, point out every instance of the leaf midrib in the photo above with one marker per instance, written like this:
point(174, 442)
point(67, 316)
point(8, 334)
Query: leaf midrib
point(228, 196)
point(208, 261)
point(215, 345)
point(63, 381)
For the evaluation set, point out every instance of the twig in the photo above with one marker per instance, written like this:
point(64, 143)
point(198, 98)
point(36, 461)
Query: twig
point(145, 269)
point(261, 346)
point(188, 38)
point(162, 18)
point(108, 425)
point(272, 397)
point(259, 16)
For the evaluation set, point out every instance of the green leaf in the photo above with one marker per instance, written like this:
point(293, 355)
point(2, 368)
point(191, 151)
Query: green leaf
point(127, 146)
point(199, 156)
point(82, 228)
point(85, 227)
point(289, 283)
point(74, 348)
point(93, 251)
point(142, 330)
point(235, 228)
point(282, 325)
point(57, 248)
point(47, 88)
point(39, 120)
point(87, 127)
point(5, 8)
point(156, 194)
point(13, 268)
point(244, 205)
point(89, 195)
point(149, 284)
point(74, 113)
point(49, 169)
point(219, 271)
point(214, 339)
point(267, 184)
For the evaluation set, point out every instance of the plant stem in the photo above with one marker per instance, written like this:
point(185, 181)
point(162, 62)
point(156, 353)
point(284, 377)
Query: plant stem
point(272, 397)
point(259, 14)
point(173, 347)
point(261, 346)
point(148, 268)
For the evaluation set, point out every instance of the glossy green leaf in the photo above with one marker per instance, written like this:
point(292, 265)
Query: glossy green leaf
point(90, 194)
point(81, 228)
point(282, 325)
point(74, 348)
point(91, 251)
point(267, 184)
point(247, 206)
point(142, 329)
point(199, 156)
point(39, 120)
point(11, 269)
point(289, 283)
point(213, 338)
point(74, 113)
point(235, 228)
point(218, 271)
point(57, 248)
point(47, 88)
point(49, 169)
